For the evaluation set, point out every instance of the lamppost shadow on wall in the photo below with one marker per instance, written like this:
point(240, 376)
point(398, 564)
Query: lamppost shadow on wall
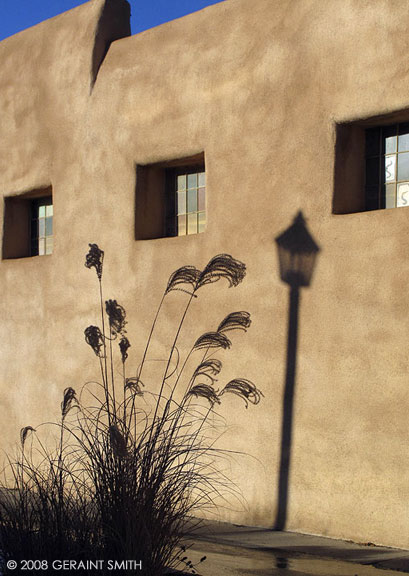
point(297, 252)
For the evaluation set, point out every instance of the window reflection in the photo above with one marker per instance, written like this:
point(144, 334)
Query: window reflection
point(403, 166)
point(390, 145)
point(390, 168)
point(403, 194)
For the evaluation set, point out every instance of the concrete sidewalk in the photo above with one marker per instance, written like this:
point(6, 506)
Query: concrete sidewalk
point(291, 545)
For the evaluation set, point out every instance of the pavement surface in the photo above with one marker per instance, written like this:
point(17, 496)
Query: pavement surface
point(232, 550)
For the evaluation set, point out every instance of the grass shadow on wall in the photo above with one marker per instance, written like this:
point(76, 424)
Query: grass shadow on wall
point(131, 464)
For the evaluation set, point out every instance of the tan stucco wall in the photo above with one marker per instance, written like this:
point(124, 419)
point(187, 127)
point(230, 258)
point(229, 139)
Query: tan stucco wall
point(259, 87)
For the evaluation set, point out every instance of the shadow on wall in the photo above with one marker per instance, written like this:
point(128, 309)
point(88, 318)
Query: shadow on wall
point(114, 23)
point(297, 253)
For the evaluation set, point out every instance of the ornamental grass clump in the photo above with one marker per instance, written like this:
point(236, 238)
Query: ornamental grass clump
point(134, 464)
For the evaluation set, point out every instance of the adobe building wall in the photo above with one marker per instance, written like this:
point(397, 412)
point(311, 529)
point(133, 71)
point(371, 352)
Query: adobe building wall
point(259, 87)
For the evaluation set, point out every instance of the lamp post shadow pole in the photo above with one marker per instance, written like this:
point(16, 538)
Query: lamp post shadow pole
point(288, 408)
point(297, 252)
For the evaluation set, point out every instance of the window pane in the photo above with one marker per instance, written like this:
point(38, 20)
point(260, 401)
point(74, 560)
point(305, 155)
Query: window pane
point(48, 226)
point(390, 168)
point(192, 180)
point(181, 225)
point(202, 199)
point(192, 224)
point(389, 139)
point(201, 221)
point(390, 144)
point(403, 142)
point(41, 246)
point(41, 227)
point(202, 179)
point(403, 194)
point(372, 172)
point(181, 184)
point(49, 210)
point(403, 166)
point(192, 200)
point(49, 242)
point(182, 202)
point(390, 201)
point(41, 211)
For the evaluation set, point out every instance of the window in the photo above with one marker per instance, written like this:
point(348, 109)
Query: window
point(190, 202)
point(372, 164)
point(41, 226)
point(387, 166)
point(28, 224)
point(170, 198)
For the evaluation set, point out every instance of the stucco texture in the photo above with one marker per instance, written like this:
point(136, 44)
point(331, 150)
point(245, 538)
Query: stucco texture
point(259, 87)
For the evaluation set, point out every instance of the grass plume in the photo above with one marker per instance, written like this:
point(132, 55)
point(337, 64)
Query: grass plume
point(130, 467)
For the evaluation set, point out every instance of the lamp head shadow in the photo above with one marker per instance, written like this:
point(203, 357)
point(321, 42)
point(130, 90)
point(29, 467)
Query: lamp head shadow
point(297, 252)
